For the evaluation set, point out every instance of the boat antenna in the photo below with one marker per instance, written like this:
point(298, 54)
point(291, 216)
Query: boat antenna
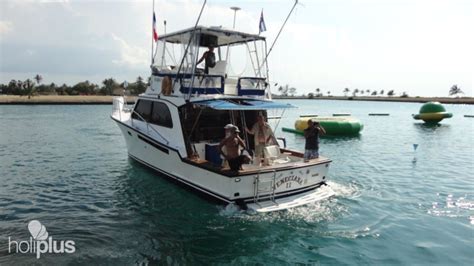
point(235, 8)
point(187, 48)
point(278, 35)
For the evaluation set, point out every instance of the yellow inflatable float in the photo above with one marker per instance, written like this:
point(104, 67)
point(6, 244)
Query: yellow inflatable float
point(334, 126)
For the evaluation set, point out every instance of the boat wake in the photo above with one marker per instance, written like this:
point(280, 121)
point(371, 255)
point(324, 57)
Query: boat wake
point(320, 211)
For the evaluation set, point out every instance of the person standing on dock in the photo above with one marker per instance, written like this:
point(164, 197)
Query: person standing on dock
point(311, 135)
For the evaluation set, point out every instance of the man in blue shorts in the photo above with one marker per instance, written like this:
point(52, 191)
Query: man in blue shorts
point(311, 135)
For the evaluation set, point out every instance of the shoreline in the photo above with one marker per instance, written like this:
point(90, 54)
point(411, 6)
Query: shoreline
point(96, 99)
point(447, 100)
point(60, 100)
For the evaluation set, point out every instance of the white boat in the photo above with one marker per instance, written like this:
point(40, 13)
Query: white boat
point(176, 125)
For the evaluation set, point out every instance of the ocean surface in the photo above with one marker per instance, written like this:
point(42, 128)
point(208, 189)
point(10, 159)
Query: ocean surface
point(67, 167)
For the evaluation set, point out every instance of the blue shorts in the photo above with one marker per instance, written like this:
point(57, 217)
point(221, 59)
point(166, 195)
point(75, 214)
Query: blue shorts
point(311, 154)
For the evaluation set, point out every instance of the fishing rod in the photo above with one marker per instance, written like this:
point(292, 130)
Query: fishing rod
point(278, 35)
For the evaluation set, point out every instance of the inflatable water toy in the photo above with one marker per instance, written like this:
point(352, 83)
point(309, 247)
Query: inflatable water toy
point(432, 112)
point(334, 126)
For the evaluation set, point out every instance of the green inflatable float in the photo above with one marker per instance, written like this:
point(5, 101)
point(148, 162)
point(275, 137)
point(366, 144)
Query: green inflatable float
point(334, 126)
point(432, 112)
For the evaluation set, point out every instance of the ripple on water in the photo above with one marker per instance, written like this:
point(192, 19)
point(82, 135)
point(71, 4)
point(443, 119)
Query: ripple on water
point(451, 206)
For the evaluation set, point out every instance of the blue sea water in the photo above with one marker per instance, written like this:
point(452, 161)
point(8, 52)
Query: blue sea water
point(67, 167)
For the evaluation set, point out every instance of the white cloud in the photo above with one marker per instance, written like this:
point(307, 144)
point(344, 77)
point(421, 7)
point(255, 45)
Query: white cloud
point(5, 27)
point(132, 56)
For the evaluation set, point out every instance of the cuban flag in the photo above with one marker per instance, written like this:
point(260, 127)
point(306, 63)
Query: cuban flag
point(261, 25)
point(155, 35)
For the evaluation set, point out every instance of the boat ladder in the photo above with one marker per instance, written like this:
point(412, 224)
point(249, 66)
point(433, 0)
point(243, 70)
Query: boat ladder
point(264, 187)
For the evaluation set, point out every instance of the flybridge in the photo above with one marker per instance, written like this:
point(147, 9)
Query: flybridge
point(236, 65)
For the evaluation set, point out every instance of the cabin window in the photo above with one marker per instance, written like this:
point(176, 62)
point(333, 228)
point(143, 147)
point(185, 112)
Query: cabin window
point(143, 109)
point(161, 115)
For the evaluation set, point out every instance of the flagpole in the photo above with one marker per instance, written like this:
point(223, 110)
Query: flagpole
point(152, 32)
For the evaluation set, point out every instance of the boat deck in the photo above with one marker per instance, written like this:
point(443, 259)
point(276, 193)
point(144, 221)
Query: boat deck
point(288, 159)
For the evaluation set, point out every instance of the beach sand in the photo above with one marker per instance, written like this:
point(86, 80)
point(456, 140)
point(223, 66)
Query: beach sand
point(60, 99)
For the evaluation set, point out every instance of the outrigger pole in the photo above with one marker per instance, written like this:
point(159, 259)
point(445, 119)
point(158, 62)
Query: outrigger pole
point(186, 52)
point(278, 35)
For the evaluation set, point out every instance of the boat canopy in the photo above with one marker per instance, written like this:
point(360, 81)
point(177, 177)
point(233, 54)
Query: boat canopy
point(243, 105)
point(215, 36)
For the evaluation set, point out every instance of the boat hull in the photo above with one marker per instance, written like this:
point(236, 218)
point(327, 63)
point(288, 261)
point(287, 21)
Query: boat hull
point(249, 187)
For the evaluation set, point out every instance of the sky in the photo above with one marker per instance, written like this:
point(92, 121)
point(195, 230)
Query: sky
point(421, 47)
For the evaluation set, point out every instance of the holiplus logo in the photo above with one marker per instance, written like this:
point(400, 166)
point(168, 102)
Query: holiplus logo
point(40, 243)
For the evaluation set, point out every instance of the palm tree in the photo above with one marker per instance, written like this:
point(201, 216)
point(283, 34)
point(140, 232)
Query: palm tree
point(329, 93)
point(382, 92)
point(38, 78)
point(317, 92)
point(354, 92)
point(346, 91)
point(455, 90)
point(283, 90)
point(390, 93)
point(29, 88)
point(292, 91)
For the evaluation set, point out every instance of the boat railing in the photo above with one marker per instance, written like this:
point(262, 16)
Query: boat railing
point(148, 126)
point(120, 105)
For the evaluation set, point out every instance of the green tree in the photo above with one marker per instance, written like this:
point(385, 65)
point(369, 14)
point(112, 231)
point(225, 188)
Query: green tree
point(62, 90)
point(140, 86)
point(84, 88)
point(390, 93)
point(108, 86)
